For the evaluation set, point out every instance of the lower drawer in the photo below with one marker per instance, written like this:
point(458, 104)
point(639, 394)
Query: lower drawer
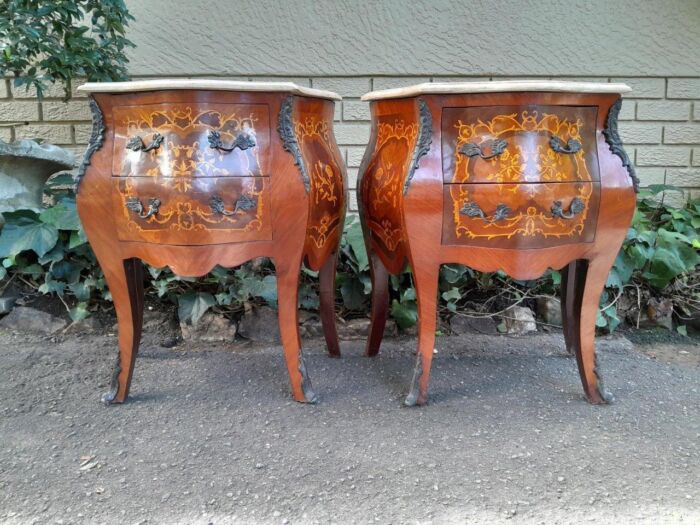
point(192, 211)
point(520, 216)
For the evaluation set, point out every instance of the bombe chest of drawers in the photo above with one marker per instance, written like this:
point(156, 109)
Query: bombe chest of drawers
point(192, 174)
point(512, 176)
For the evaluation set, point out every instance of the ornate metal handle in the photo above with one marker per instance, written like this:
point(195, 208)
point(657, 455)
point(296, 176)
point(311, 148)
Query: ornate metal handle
point(497, 147)
point(558, 145)
point(576, 207)
point(136, 143)
point(244, 202)
point(472, 209)
point(135, 205)
point(242, 141)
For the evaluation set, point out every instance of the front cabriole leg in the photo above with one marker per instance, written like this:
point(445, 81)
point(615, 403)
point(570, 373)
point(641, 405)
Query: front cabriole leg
point(126, 287)
point(587, 297)
point(426, 279)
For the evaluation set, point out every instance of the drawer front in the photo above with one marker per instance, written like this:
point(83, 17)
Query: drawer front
point(191, 140)
point(520, 216)
point(203, 210)
point(519, 144)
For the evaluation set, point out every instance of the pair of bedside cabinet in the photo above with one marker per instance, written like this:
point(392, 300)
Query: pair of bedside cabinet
point(515, 176)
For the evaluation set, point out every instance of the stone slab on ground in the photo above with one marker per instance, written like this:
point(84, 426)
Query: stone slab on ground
point(519, 320)
point(213, 437)
point(28, 319)
point(462, 324)
point(210, 328)
point(261, 325)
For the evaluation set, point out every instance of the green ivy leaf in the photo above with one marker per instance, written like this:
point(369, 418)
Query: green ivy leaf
point(193, 305)
point(251, 285)
point(308, 298)
point(62, 216)
point(556, 277)
point(600, 320)
point(453, 273)
point(353, 293)
point(51, 285)
point(224, 298)
point(614, 280)
point(356, 241)
point(405, 314)
point(79, 313)
point(35, 270)
point(77, 238)
point(452, 295)
point(670, 261)
point(24, 233)
point(640, 255)
point(55, 254)
point(66, 271)
point(409, 294)
point(82, 289)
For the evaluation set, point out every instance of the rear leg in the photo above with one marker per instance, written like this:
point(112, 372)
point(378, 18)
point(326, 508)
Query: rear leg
point(380, 302)
point(326, 277)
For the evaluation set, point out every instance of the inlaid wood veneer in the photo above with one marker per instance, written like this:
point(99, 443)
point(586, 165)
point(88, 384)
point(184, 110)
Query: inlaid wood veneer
point(192, 174)
point(514, 176)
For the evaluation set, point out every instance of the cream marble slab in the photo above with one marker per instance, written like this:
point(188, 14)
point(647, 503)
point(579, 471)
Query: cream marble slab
point(213, 84)
point(450, 88)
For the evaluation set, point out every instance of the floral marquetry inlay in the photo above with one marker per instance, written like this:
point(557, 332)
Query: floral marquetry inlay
point(383, 182)
point(193, 211)
point(528, 156)
point(314, 136)
point(186, 149)
point(531, 160)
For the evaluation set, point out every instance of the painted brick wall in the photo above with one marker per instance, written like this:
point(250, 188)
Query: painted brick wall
point(659, 121)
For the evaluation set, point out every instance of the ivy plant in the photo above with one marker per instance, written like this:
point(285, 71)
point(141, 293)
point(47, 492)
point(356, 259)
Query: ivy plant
point(44, 41)
point(48, 252)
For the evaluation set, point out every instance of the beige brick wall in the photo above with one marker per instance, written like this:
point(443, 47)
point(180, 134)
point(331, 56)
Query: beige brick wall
point(659, 121)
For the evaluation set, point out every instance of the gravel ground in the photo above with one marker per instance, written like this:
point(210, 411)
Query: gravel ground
point(211, 436)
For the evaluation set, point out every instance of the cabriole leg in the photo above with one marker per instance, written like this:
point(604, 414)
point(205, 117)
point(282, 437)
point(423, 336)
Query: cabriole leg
point(426, 280)
point(591, 277)
point(287, 296)
point(570, 303)
point(380, 302)
point(125, 282)
point(326, 276)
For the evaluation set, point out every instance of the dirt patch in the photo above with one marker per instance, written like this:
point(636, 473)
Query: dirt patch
point(666, 346)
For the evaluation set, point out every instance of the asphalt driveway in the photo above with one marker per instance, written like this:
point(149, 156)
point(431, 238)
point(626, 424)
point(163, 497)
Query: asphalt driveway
point(211, 436)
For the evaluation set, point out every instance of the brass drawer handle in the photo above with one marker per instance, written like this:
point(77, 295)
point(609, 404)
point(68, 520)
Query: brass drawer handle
point(496, 146)
point(136, 143)
point(576, 207)
point(244, 202)
point(135, 205)
point(242, 141)
point(558, 145)
point(473, 210)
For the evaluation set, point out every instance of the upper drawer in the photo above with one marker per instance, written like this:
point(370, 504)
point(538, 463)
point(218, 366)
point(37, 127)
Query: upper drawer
point(515, 144)
point(191, 139)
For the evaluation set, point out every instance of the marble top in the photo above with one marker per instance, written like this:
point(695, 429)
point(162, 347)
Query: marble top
point(201, 83)
point(455, 88)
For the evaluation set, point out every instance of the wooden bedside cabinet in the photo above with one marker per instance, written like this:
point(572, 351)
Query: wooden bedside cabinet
point(192, 174)
point(517, 176)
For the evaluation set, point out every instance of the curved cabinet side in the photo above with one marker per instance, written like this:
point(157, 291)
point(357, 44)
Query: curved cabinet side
point(325, 169)
point(383, 179)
